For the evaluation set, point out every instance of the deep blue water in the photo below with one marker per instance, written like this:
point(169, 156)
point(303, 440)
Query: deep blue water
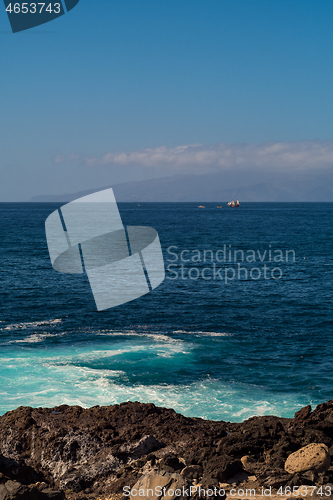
point(206, 347)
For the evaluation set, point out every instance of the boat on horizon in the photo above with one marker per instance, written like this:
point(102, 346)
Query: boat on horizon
point(233, 204)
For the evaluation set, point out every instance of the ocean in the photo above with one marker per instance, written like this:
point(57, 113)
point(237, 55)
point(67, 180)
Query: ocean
point(241, 325)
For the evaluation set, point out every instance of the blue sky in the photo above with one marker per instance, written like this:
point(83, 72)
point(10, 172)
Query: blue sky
point(81, 94)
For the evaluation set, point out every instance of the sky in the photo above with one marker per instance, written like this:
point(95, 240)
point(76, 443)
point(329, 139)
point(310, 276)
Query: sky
point(123, 90)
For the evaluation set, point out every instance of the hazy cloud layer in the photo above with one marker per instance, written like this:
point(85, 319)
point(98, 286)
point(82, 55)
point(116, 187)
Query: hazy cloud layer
point(197, 157)
point(63, 158)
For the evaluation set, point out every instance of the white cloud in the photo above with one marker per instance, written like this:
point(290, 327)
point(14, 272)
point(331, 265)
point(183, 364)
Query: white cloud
point(199, 157)
point(63, 158)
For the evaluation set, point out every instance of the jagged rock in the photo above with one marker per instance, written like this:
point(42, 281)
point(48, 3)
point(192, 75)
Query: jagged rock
point(152, 459)
point(209, 482)
point(312, 457)
point(144, 446)
point(308, 477)
point(252, 436)
point(170, 463)
point(222, 468)
point(249, 463)
point(277, 480)
point(303, 413)
point(97, 451)
point(296, 480)
point(18, 471)
point(13, 490)
point(49, 494)
point(192, 472)
point(151, 486)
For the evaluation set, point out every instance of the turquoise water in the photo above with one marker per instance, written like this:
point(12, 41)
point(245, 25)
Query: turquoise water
point(214, 348)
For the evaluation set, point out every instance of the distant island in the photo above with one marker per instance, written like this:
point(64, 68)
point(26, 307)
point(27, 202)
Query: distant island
point(251, 186)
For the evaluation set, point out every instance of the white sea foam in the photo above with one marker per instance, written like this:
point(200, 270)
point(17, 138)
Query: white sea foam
point(89, 373)
point(67, 374)
point(201, 399)
point(159, 336)
point(132, 333)
point(108, 333)
point(34, 324)
point(50, 380)
point(215, 334)
point(35, 338)
point(208, 334)
point(164, 345)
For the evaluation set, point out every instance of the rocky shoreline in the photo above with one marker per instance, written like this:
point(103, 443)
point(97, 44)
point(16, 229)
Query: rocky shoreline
point(104, 452)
